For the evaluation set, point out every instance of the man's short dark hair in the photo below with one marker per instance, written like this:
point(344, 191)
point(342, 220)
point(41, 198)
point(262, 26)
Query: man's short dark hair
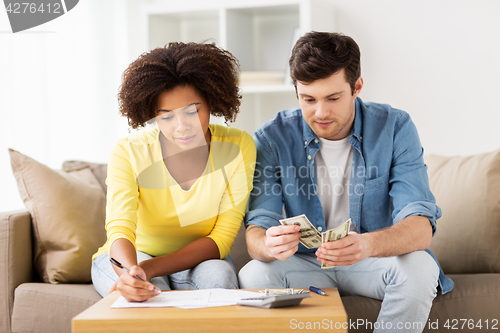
point(317, 55)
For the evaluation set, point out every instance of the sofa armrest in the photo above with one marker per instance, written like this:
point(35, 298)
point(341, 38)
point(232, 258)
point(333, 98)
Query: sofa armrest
point(16, 262)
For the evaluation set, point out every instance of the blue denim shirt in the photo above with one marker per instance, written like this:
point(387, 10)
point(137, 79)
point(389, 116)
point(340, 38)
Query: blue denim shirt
point(388, 176)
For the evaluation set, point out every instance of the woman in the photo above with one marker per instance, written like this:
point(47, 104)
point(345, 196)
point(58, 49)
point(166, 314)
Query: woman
point(177, 192)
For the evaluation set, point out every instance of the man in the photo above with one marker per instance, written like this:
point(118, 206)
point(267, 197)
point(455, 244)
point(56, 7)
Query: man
point(337, 158)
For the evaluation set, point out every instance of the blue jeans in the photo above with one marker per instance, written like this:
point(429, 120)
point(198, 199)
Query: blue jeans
point(407, 284)
point(208, 274)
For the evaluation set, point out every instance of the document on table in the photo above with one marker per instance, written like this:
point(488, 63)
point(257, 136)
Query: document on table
point(189, 299)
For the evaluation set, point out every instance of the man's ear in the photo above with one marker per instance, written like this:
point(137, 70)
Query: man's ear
point(358, 86)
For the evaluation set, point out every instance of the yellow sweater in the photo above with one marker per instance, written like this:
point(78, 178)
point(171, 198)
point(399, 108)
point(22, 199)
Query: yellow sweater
point(146, 206)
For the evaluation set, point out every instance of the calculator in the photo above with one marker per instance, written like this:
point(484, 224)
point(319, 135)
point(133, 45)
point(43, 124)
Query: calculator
point(275, 301)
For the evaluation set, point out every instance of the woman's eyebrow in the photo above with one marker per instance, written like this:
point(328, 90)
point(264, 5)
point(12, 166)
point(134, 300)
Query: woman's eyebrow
point(183, 108)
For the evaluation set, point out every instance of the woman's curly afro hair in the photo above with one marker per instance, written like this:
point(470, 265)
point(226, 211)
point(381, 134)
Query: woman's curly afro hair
point(212, 71)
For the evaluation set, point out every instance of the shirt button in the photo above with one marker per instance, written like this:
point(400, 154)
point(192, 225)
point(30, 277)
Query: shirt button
point(316, 140)
point(319, 228)
point(305, 142)
point(361, 138)
point(309, 157)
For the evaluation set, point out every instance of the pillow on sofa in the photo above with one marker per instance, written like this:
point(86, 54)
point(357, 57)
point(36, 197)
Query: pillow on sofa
point(99, 170)
point(68, 212)
point(468, 191)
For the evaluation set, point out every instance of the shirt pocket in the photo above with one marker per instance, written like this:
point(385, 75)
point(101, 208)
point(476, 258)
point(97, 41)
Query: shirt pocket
point(376, 206)
point(377, 184)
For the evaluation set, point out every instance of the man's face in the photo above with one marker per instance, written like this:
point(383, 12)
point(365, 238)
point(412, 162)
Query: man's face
point(328, 106)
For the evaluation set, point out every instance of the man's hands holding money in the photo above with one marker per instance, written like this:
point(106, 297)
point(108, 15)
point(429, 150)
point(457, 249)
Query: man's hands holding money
point(336, 247)
point(283, 241)
point(343, 252)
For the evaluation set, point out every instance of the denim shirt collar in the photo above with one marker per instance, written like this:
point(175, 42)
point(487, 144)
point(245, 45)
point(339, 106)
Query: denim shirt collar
point(357, 129)
point(309, 135)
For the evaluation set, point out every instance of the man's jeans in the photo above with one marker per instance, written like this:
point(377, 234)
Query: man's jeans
point(208, 274)
point(407, 284)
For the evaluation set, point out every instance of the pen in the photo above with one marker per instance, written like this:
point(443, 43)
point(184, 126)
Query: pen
point(317, 291)
point(117, 264)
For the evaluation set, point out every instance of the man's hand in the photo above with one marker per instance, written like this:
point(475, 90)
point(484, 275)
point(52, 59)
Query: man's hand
point(343, 252)
point(133, 289)
point(283, 241)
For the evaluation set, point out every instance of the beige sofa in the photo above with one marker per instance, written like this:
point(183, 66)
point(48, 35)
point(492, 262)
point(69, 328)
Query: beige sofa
point(466, 188)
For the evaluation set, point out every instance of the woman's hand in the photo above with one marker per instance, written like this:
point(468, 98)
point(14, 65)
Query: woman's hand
point(133, 289)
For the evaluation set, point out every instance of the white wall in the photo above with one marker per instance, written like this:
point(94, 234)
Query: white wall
point(437, 60)
point(58, 86)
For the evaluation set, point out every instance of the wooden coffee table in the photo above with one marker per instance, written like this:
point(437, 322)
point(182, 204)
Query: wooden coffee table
point(316, 312)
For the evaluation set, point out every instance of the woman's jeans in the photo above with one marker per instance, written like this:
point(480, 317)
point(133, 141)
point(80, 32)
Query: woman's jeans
point(213, 273)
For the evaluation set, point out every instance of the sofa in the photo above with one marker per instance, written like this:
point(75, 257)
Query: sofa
point(36, 296)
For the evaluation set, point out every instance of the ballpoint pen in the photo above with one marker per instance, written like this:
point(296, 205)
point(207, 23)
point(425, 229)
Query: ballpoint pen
point(117, 264)
point(317, 291)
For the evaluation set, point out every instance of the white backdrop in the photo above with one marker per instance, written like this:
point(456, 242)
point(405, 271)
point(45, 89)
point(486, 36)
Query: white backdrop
point(438, 60)
point(58, 86)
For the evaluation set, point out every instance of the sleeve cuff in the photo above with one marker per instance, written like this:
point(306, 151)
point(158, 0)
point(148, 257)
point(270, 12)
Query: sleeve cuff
point(422, 208)
point(263, 218)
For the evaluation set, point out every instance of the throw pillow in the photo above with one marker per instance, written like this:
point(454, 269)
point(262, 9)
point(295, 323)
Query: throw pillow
point(100, 171)
point(468, 191)
point(68, 214)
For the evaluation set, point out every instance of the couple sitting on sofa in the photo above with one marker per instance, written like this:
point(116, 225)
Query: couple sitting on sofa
point(177, 193)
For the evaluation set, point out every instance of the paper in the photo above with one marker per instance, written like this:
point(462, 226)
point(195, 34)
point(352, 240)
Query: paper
point(189, 299)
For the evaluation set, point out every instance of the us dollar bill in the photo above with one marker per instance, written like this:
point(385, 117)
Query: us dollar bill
point(283, 291)
point(335, 234)
point(309, 235)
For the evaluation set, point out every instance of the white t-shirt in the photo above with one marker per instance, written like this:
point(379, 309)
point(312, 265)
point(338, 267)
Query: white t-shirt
point(333, 172)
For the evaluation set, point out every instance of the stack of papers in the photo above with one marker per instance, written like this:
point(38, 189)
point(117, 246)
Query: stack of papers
point(189, 299)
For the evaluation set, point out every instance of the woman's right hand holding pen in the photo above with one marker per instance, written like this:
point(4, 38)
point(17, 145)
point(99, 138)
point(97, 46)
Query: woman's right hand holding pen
point(133, 289)
point(123, 256)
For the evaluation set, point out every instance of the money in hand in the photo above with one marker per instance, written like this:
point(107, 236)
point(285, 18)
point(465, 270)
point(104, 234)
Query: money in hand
point(311, 238)
point(309, 235)
point(335, 234)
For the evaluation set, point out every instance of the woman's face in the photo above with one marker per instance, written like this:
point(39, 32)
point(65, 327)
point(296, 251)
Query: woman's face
point(183, 117)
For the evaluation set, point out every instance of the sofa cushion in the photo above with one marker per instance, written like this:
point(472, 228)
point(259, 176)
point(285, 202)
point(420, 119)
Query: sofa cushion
point(43, 307)
point(239, 253)
point(468, 191)
point(67, 210)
